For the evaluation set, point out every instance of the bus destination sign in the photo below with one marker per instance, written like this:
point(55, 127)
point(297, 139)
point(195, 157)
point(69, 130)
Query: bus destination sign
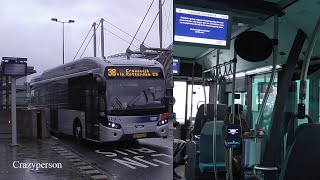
point(134, 72)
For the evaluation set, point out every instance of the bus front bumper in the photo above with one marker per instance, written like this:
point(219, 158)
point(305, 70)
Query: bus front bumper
point(110, 134)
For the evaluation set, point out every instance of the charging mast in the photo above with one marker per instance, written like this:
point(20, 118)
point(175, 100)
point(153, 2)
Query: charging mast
point(14, 67)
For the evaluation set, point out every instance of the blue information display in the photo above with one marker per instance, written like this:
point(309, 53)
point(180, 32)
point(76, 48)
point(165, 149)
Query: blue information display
point(193, 26)
point(233, 136)
point(176, 66)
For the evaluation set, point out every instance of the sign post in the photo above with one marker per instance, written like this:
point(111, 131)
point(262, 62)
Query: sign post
point(14, 67)
point(13, 112)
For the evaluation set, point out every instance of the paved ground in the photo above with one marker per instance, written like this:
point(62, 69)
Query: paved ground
point(35, 152)
point(148, 159)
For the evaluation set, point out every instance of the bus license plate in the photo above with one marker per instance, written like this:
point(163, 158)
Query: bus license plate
point(137, 136)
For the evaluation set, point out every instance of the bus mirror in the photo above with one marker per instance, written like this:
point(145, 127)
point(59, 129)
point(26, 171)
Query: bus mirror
point(99, 82)
point(98, 79)
point(172, 100)
point(169, 100)
point(253, 46)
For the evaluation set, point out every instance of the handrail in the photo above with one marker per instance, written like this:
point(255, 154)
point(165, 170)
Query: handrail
point(274, 67)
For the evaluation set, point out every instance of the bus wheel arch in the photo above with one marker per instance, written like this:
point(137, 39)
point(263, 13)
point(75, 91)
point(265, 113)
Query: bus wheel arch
point(77, 130)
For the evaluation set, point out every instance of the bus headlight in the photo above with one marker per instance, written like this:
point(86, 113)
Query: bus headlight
point(113, 125)
point(164, 119)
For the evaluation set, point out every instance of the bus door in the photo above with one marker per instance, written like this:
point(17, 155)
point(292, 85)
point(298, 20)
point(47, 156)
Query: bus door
point(90, 115)
point(92, 110)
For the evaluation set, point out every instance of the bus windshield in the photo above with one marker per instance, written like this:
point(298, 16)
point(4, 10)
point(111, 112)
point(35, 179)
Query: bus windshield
point(126, 95)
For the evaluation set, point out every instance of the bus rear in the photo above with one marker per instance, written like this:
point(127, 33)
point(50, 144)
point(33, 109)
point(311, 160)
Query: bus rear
point(135, 104)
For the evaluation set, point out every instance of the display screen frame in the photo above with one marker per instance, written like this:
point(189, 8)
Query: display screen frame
point(177, 65)
point(140, 69)
point(237, 133)
point(229, 27)
point(6, 73)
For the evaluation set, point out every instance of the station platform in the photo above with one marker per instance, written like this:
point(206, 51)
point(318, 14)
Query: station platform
point(20, 162)
point(145, 159)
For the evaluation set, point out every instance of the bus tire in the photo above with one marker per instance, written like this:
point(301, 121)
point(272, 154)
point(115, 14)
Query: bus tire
point(77, 131)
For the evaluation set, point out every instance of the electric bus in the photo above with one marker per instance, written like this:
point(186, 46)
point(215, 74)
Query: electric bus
point(104, 100)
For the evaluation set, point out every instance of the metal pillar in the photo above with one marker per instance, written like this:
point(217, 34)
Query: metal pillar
point(272, 155)
point(94, 40)
point(232, 110)
point(160, 22)
point(192, 88)
point(7, 92)
point(215, 108)
point(62, 43)
point(274, 64)
point(13, 112)
point(102, 38)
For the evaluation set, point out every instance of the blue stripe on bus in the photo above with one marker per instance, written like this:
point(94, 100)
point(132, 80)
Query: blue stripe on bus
point(135, 119)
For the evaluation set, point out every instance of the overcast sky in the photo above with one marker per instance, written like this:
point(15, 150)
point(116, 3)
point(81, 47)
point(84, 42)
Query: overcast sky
point(27, 31)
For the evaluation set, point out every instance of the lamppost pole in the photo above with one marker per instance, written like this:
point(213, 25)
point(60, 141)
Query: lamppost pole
point(62, 22)
point(63, 43)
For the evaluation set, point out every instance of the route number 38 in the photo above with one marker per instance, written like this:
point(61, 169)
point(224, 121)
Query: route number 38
point(112, 72)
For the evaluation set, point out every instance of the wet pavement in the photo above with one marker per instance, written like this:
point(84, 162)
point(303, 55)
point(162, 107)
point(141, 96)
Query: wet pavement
point(146, 159)
point(38, 151)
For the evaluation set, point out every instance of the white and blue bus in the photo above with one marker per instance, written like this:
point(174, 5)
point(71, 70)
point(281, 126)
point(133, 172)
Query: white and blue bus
point(104, 100)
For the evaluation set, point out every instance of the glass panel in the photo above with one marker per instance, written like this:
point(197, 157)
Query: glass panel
point(242, 101)
point(126, 96)
point(198, 98)
point(179, 93)
point(259, 87)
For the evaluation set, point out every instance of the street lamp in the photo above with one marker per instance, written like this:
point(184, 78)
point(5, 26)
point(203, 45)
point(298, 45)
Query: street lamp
point(62, 22)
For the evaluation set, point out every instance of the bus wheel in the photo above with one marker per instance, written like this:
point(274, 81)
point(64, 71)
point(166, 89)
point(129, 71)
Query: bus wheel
point(77, 132)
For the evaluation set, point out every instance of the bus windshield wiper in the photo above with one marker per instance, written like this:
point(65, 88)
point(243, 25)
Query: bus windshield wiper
point(118, 102)
point(134, 100)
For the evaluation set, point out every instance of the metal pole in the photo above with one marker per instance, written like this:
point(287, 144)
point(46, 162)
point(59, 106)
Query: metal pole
point(232, 110)
point(186, 106)
point(192, 89)
point(306, 63)
point(102, 38)
point(215, 109)
point(13, 111)
point(160, 22)
point(205, 95)
point(275, 57)
point(62, 42)
point(94, 40)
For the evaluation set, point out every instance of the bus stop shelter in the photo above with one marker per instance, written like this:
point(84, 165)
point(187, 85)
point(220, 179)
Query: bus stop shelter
point(5, 101)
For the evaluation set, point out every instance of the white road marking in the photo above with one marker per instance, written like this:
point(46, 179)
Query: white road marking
point(76, 160)
point(85, 167)
point(79, 163)
point(54, 137)
point(156, 160)
point(99, 177)
point(70, 157)
point(133, 152)
point(162, 155)
point(121, 152)
point(142, 160)
point(93, 172)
